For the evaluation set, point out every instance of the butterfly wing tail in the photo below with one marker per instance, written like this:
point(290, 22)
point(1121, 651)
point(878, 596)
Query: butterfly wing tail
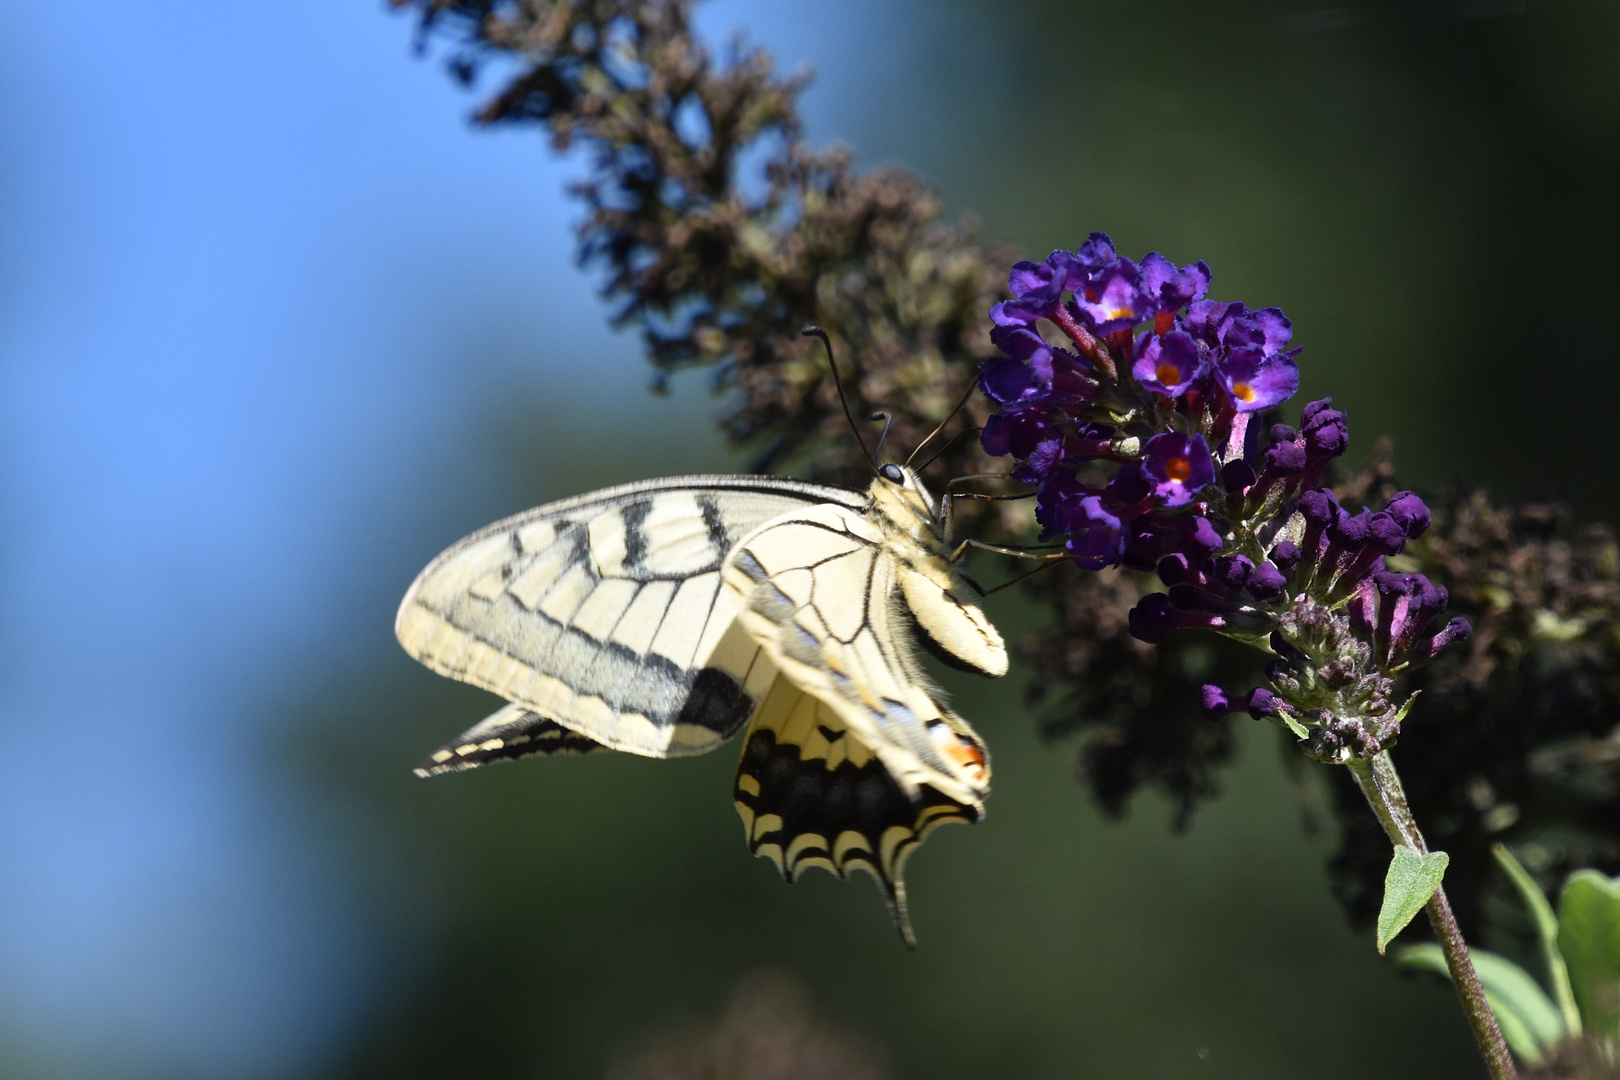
point(511, 732)
point(810, 794)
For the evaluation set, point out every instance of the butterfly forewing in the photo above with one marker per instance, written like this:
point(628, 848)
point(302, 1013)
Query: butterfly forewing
point(605, 614)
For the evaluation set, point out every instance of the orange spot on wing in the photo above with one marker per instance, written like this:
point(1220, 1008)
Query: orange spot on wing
point(959, 750)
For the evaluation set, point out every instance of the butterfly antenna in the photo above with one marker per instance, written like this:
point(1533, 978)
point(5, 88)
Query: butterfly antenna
point(818, 332)
point(952, 441)
point(888, 419)
point(972, 385)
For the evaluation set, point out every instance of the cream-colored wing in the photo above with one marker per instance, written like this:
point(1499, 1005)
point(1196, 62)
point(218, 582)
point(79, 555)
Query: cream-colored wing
point(605, 614)
point(812, 794)
point(818, 589)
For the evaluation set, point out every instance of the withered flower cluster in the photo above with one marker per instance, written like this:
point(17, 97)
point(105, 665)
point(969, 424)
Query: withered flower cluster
point(720, 234)
point(1514, 735)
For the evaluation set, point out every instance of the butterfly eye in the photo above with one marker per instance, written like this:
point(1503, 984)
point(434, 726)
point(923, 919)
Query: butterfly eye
point(891, 472)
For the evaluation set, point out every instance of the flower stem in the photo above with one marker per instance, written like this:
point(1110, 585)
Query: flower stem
point(1382, 787)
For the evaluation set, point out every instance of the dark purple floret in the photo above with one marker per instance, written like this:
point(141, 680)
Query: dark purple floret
point(1016, 432)
point(1216, 702)
point(1234, 571)
point(1259, 703)
point(1036, 288)
point(1171, 287)
point(1007, 382)
point(1359, 544)
point(1096, 537)
point(1268, 582)
point(1458, 629)
point(1286, 555)
point(1112, 298)
point(1199, 535)
point(1177, 568)
point(1215, 601)
point(1254, 381)
point(1149, 539)
point(1411, 512)
point(1168, 364)
point(1046, 455)
point(1057, 501)
point(1326, 433)
point(1018, 342)
point(1267, 329)
point(1263, 703)
point(1178, 465)
point(1237, 476)
point(1384, 533)
point(1038, 282)
point(1129, 485)
point(1203, 320)
point(1154, 617)
point(1348, 531)
point(1285, 459)
point(1320, 508)
point(1091, 256)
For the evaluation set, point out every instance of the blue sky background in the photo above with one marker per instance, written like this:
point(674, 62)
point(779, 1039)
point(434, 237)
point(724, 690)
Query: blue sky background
point(246, 322)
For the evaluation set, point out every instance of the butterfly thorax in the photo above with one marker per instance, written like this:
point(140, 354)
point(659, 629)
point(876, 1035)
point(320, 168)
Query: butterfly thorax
point(948, 622)
point(906, 510)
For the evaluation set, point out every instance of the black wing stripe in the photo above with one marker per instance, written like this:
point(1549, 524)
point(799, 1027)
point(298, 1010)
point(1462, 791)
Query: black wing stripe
point(840, 818)
point(526, 734)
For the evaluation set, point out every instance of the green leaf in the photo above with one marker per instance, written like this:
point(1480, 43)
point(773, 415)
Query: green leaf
point(1589, 938)
point(1411, 880)
point(1547, 931)
point(1527, 1016)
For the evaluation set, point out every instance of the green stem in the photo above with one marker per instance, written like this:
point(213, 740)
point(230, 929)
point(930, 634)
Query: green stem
point(1382, 788)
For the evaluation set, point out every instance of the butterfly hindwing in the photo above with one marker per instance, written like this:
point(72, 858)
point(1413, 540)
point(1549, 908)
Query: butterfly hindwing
point(605, 613)
point(812, 794)
point(512, 731)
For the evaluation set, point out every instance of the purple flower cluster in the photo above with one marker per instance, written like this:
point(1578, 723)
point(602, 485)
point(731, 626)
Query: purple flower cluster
point(1150, 403)
point(1128, 400)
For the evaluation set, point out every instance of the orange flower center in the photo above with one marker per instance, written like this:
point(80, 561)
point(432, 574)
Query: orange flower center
point(1168, 374)
point(1178, 469)
point(1243, 391)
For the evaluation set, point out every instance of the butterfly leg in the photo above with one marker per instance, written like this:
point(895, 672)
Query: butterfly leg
point(1023, 551)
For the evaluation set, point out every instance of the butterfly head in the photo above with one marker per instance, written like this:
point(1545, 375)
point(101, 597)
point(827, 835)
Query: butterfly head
point(901, 491)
